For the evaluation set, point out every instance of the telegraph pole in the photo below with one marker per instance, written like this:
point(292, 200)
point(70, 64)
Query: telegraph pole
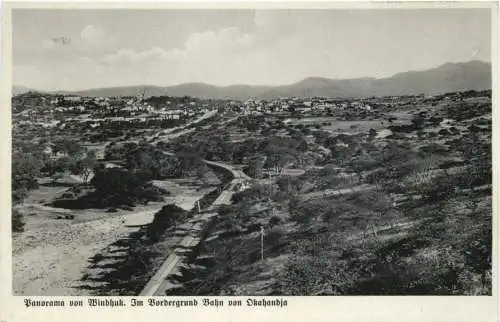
point(270, 185)
point(261, 243)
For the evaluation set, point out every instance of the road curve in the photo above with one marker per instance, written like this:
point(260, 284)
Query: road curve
point(236, 173)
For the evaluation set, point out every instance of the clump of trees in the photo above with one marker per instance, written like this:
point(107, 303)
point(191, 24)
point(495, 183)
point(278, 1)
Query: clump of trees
point(114, 187)
point(152, 164)
point(25, 171)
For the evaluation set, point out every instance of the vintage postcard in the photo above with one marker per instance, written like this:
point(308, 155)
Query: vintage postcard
point(243, 161)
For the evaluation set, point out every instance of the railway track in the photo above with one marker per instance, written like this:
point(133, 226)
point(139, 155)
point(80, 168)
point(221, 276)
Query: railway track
point(159, 283)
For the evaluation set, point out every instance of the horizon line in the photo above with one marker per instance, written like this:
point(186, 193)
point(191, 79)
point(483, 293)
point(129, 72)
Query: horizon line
point(251, 85)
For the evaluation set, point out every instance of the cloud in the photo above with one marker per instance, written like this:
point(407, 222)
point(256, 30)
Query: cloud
point(219, 57)
point(130, 56)
point(203, 56)
point(198, 45)
point(91, 38)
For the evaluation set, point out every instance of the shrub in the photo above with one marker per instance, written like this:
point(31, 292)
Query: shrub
point(168, 216)
point(254, 193)
point(68, 195)
point(274, 237)
point(275, 220)
point(17, 221)
point(445, 132)
point(225, 210)
point(436, 120)
point(437, 189)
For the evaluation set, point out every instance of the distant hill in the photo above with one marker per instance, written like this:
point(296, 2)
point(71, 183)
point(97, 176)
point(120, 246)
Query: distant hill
point(18, 90)
point(450, 77)
point(147, 90)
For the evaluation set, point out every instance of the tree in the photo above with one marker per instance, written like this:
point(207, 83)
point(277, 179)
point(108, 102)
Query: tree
point(17, 221)
point(114, 181)
point(372, 133)
point(290, 185)
point(255, 167)
point(25, 170)
point(201, 173)
point(189, 161)
point(84, 167)
point(55, 168)
point(284, 160)
point(70, 148)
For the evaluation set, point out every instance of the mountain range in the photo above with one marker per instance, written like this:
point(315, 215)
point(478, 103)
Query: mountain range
point(450, 77)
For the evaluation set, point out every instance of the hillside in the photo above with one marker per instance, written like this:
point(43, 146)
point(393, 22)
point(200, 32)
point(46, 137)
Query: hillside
point(443, 79)
point(450, 77)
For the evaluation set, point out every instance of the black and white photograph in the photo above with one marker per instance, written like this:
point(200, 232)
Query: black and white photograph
point(251, 151)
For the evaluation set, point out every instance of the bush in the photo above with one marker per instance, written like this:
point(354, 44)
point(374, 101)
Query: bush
point(275, 220)
point(17, 221)
point(437, 189)
point(68, 195)
point(168, 216)
point(254, 193)
point(225, 210)
point(445, 132)
point(274, 237)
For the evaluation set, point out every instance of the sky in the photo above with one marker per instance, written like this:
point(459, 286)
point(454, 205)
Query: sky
point(109, 48)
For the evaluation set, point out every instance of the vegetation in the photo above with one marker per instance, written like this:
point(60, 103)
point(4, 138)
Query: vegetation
point(25, 170)
point(400, 204)
point(152, 163)
point(423, 225)
point(114, 187)
point(167, 217)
